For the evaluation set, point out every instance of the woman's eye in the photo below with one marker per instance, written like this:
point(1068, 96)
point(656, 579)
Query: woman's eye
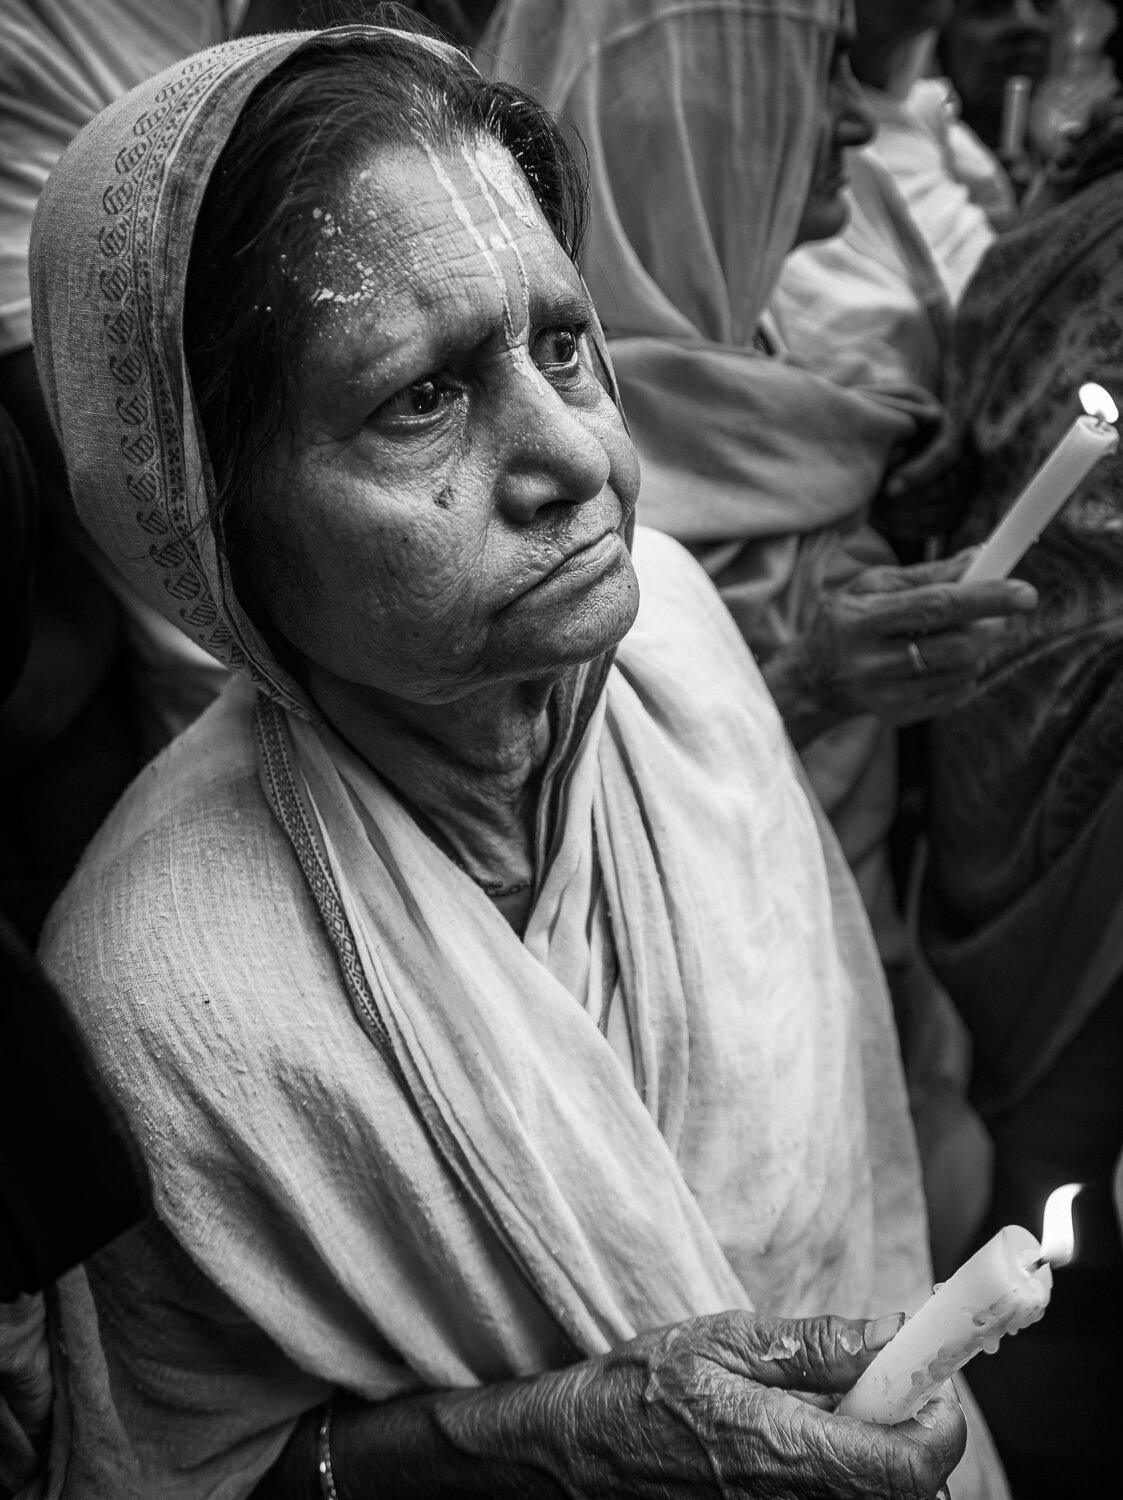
point(421, 399)
point(556, 348)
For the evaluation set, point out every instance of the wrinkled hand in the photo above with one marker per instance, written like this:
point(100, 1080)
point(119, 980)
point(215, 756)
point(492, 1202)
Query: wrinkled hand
point(728, 1405)
point(716, 1406)
point(858, 657)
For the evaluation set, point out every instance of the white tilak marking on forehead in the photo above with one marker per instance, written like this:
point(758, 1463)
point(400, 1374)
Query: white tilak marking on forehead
point(506, 239)
point(462, 213)
point(507, 181)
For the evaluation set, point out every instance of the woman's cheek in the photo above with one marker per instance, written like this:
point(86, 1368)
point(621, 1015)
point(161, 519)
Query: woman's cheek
point(432, 564)
point(623, 460)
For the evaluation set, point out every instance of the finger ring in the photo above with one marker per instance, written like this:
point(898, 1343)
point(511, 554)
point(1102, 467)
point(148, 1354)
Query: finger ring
point(917, 659)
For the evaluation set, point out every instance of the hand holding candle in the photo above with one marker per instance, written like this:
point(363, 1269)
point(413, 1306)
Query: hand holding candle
point(1003, 1287)
point(1090, 438)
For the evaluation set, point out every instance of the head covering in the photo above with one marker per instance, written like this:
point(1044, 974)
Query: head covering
point(109, 255)
point(701, 121)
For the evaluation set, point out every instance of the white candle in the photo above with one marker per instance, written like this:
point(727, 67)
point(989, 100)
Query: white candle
point(1015, 117)
point(1003, 1287)
point(1090, 438)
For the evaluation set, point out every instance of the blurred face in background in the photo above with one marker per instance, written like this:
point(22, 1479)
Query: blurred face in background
point(895, 21)
point(847, 123)
point(988, 41)
point(885, 30)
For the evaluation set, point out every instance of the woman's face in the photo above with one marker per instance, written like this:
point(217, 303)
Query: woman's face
point(449, 509)
point(847, 123)
point(989, 41)
point(899, 20)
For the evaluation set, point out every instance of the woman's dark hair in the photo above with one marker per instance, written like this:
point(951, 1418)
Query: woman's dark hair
point(304, 132)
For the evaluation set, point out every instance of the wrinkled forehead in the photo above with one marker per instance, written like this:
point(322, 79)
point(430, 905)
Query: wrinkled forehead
point(418, 221)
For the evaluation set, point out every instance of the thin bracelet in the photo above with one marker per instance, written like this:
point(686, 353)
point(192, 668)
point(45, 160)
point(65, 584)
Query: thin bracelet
point(327, 1478)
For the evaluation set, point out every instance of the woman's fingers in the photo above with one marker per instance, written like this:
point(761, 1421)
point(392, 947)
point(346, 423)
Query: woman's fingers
point(902, 642)
point(899, 578)
point(722, 1396)
point(937, 1434)
point(924, 665)
point(775, 1437)
point(935, 607)
point(910, 1460)
point(892, 683)
point(929, 661)
point(807, 1354)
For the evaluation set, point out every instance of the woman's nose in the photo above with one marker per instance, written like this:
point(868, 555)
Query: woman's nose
point(856, 125)
point(854, 120)
point(547, 452)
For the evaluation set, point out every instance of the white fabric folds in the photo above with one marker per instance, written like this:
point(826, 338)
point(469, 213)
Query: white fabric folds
point(492, 1189)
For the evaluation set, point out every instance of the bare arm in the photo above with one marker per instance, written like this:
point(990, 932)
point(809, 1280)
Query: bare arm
point(700, 1408)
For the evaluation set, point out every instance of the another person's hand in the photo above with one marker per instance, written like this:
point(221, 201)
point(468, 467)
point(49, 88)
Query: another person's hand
point(905, 643)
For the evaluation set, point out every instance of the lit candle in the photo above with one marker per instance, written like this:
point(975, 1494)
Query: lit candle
point(1090, 438)
point(1003, 1287)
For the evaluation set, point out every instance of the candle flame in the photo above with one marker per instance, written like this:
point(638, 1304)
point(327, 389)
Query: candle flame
point(1097, 403)
point(1058, 1243)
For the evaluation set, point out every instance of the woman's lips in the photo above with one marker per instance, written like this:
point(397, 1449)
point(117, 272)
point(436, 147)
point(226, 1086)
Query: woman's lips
point(583, 565)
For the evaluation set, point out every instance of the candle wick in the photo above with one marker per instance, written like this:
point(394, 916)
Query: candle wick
point(1037, 1264)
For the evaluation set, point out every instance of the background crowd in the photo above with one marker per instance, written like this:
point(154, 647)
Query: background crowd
point(831, 398)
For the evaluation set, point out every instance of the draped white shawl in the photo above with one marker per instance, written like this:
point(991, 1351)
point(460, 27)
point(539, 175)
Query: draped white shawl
point(492, 1184)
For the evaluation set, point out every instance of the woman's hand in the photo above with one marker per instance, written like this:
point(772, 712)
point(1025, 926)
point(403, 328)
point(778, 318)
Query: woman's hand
point(905, 643)
point(729, 1405)
point(735, 1406)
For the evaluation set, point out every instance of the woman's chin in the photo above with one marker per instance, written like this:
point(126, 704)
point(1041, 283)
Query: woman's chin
point(827, 213)
point(544, 638)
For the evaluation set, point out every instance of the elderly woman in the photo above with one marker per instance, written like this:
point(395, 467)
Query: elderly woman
point(873, 305)
point(742, 113)
point(497, 1017)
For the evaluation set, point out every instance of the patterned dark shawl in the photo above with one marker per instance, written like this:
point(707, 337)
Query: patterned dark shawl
point(1023, 906)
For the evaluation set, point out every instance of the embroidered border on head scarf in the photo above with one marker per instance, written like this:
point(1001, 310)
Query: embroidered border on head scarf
point(138, 471)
